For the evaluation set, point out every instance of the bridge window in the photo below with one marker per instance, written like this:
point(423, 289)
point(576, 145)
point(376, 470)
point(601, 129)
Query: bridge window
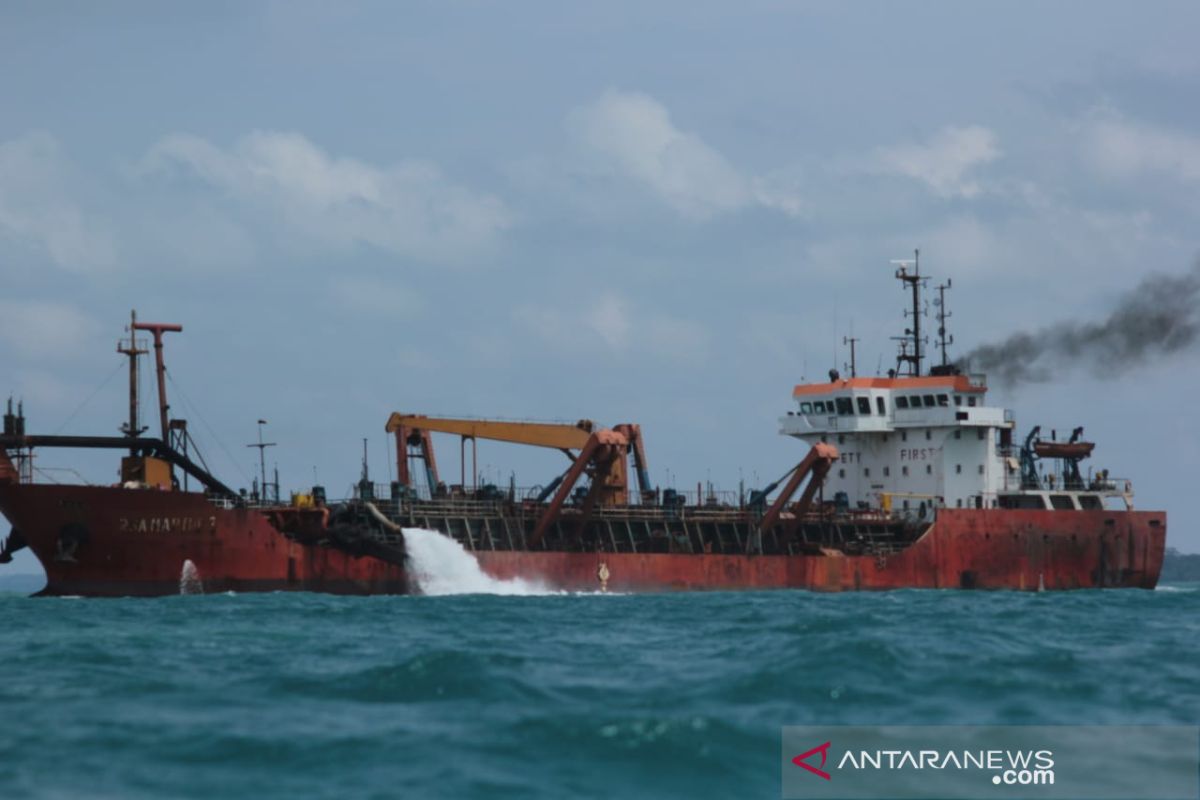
point(901, 402)
point(806, 408)
point(915, 400)
point(958, 399)
point(880, 407)
point(1089, 502)
point(943, 400)
point(1028, 501)
point(819, 406)
point(864, 405)
point(971, 400)
point(844, 407)
point(1062, 502)
point(929, 401)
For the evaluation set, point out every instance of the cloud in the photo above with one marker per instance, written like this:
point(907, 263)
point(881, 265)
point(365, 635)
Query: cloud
point(609, 319)
point(37, 206)
point(369, 296)
point(611, 324)
point(36, 330)
point(944, 162)
point(632, 134)
point(1123, 148)
point(409, 209)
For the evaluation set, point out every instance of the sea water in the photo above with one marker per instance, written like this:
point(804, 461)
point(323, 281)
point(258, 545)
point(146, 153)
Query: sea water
point(508, 689)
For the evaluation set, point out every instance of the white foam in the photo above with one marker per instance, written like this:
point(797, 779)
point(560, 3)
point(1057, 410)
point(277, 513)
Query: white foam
point(189, 579)
point(441, 566)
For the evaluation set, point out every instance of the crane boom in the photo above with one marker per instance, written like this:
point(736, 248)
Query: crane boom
point(562, 436)
point(816, 464)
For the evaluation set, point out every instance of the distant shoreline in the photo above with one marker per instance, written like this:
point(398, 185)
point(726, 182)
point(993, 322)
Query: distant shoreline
point(1179, 566)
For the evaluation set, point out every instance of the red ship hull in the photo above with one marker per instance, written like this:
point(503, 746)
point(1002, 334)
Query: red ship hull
point(131, 542)
point(964, 549)
point(99, 541)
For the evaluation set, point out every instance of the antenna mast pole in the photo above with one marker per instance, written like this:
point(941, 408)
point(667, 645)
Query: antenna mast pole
point(915, 283)
point(262, 462)
point(132, 429)
point(943, 315)
point(851, 340)
point(912, 281)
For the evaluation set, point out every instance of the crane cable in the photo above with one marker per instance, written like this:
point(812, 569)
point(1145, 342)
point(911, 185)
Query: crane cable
point(90, 398)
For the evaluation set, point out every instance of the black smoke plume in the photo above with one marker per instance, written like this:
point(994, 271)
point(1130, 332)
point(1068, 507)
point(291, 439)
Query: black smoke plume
point(1159, 317)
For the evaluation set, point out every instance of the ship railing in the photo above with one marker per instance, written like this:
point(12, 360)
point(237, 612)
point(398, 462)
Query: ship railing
point(1110, 485)
point(491, 493)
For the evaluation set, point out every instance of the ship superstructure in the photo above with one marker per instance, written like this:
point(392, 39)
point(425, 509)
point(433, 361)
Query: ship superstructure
point(915, 443)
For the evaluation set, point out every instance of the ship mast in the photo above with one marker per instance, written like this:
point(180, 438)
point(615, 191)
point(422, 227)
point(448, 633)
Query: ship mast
point(913, 281)
point(262, 463)
point(132, 429)
point(944, 339)
point(852, 341)
point(157, 329)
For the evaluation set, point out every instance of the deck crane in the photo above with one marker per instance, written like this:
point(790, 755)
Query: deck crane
point(814, 466)
point(608, 470)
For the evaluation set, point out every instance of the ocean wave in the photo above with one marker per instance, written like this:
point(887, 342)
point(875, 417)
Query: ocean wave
point(474, 695)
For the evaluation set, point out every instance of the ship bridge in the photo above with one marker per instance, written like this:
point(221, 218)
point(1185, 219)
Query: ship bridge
point(907, 442)
point(918, 442)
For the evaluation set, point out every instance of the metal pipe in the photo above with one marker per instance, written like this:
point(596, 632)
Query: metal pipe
point(158, 329)
point(157, 447)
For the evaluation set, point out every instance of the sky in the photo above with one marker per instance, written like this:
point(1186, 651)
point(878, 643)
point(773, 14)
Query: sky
point(663, 213)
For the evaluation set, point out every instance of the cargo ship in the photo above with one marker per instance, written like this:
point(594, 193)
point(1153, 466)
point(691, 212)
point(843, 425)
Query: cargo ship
point(909, 480)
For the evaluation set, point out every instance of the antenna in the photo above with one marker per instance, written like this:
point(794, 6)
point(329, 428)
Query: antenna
point(914, 282)
point(942, 316)
point(262, 461)
point(132, 429)
point(851, 340)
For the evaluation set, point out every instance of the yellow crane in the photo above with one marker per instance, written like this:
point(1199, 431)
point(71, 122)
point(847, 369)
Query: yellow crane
point(609, 476)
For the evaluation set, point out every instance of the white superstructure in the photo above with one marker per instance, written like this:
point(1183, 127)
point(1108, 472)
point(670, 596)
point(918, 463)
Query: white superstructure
point(927, 442)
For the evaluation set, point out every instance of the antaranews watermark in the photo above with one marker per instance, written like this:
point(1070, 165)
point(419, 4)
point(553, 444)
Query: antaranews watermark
point(992, 762)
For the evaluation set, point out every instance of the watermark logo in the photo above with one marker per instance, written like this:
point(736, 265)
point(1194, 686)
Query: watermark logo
point(802, 760)
point(964, 763)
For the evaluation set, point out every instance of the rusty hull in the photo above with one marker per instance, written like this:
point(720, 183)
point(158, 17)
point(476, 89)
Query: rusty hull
point(113, 541)
point(110, 541)
point(964, 549)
